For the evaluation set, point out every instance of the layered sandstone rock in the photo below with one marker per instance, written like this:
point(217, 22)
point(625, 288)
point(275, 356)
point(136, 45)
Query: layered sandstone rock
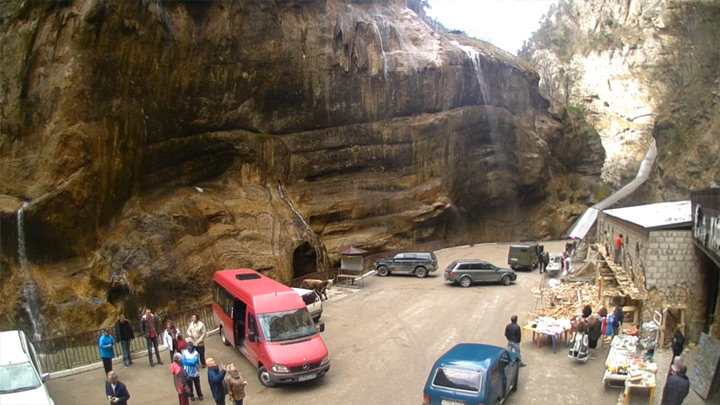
point(154, 143)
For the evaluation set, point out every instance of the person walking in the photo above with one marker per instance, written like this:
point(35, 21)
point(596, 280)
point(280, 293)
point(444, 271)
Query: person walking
point(618, 248)
point(618, 318)
point(216, 375)
point(676, 388)
point(149, 325)
point(235, 384)
point(606, 239)
point(196, 331)
point(107, 352)
point(170, 339)
point(513, 334)
point(678, 343)
point(676, 364)
point(545, 261)
point(191, 362)
point(125, 334)
point(180, 379)
point(116, 391)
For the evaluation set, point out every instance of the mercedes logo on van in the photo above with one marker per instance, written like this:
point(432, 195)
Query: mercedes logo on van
point(306, 366)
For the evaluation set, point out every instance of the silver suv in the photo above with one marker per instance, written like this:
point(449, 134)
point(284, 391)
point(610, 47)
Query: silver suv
point(466, 272)
point(418, 263)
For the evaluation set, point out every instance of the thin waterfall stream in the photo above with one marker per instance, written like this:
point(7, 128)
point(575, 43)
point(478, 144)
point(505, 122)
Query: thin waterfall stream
point(29, 287)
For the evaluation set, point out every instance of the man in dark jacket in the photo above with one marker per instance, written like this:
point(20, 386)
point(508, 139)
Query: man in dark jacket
point(149, 325)
point(116, 391)
point(124, 334)
point(513, 334)
point(676, 388)
point(216, 375)
point(619, 318)
point(678, 343)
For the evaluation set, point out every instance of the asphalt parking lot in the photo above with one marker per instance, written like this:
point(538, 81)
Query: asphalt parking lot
point(383, 338)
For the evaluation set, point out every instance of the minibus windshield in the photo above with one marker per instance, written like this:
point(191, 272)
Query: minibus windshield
point(286, 325)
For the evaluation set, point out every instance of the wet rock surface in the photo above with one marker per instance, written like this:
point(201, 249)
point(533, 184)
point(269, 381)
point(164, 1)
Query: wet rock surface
point(158, 142)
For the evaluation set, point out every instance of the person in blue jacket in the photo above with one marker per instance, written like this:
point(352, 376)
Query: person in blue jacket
point(216, 375)
point(107, 352)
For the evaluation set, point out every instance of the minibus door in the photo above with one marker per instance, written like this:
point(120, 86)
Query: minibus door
point(253, 347)
point(239, 332)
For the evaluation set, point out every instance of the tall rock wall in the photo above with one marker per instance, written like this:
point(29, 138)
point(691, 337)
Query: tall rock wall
point(147, 144)
point(641, 71)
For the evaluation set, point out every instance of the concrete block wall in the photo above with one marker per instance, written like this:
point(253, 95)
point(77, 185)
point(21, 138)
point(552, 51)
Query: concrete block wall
point(672, 268)
point(671, 258)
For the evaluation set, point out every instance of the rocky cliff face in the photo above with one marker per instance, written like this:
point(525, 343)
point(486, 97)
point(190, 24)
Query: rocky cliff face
point(145, 145)
point(640, 70)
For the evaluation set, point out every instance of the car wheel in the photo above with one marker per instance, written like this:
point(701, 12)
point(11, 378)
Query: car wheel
point(421, 272)
point(465, 281)
point(264, 377)
point(517, 375)
point(382, 271)
point(505, 280)
point(223, 338)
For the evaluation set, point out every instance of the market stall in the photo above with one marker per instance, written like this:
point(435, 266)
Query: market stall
point(548, 326)
point(627, 368)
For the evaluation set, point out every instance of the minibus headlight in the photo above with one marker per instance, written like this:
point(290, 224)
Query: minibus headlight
point(325, 360)
point(279, 368)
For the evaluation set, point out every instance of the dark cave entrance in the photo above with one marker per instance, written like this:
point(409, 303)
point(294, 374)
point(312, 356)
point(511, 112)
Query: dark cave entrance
point(304, 260)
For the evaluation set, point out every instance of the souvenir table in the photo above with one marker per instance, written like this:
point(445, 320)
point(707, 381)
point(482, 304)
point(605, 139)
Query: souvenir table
point(624, 367)
point(641, 379)
point(548, 326)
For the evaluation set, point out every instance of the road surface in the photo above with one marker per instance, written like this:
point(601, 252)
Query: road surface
point(383, 339)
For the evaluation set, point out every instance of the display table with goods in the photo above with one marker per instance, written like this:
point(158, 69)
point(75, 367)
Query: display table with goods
point(548, 326)
point(641, 378)
point(624, 367)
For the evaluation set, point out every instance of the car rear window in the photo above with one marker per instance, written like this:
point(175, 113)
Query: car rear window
point(457, 379)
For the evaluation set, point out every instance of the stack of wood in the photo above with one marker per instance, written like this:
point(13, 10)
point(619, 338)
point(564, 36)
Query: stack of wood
point(566, 300)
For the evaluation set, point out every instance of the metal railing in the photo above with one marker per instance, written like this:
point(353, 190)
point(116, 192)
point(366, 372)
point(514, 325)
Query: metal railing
point(81, 349)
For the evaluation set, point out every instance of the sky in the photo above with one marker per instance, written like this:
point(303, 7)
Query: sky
point(504, 23)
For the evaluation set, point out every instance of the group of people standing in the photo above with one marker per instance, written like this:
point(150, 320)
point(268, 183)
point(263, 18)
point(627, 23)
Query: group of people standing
point(187, 355)
point(223, 380)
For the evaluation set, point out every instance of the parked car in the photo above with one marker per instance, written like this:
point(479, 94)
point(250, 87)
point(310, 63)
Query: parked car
point(312, 301)
point(524, 255)
point(555, 265)
point(472, 373)
point(22, 380)
point(418, 263)
point(466, 272)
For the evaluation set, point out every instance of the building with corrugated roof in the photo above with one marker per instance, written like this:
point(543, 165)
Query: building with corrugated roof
point(659, 269)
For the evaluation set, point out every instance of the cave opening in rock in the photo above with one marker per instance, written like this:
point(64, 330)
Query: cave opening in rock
point(304, 260)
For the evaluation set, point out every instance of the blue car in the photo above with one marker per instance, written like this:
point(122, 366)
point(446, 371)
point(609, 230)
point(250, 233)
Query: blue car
point(472, 373)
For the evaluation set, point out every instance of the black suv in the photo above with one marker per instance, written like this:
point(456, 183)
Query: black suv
point(466, 272)
point(418, 263)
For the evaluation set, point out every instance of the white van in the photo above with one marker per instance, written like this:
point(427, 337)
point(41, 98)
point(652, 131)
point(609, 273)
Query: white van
point(312, 301)
point(22, 380)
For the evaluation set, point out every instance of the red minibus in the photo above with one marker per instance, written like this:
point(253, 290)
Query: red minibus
point(270, 325)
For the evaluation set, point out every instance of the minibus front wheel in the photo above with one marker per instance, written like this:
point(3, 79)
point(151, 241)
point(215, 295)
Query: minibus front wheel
point(264, 377)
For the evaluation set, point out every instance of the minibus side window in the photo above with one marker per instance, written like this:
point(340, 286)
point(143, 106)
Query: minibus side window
point(224, 299)
point(252, 328)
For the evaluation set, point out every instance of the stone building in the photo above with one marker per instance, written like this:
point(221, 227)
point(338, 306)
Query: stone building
point(661, 260)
